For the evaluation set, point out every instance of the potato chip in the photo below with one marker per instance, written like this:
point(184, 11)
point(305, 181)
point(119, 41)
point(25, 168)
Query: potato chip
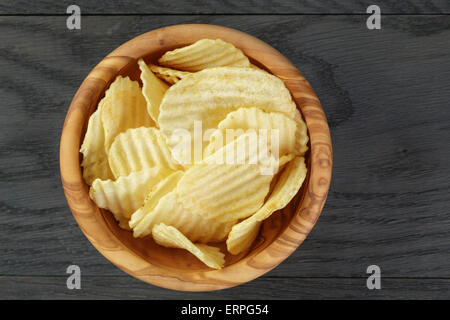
point(224, 190)
point(205, 53)
point(124, 108)
point(169, 75)
point(209, 95)
point(221, 188)
point(153, 89)
point(301, 135)
point(249, 148)
point(95, 161)
point(126, 194)
point(242, 238)
point(157, 192)
point(137, 149)
point(170, 211)
point(289, 183)
point(169, 236)
point(167, 78)
point(255, 119)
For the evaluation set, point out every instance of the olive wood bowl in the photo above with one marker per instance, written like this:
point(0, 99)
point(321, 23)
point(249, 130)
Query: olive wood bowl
point(177, 269)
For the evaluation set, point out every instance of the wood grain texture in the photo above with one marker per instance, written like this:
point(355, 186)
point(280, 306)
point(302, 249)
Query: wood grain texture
point(176, 269)
point(140, 7)
point(266, 288)
point(386, 98)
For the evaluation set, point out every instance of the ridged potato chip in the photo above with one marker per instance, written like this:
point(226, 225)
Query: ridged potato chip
point(301, 136)
point(167, 78)
point(162, 188)
point(290, 181)
point(126, 194)
point(221, 188)
point(220, 191)
point(243, 237)
point(209, 95)
point(169, 236)
point(254, 119)
point(194, 226)
point(95, 161)
point(153, 89)
point(249, 148)
point(205, 53)
point(125, 107)
point(169, 75)
point(137, 149)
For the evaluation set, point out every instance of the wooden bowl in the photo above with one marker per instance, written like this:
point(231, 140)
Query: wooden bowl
point(174, 268)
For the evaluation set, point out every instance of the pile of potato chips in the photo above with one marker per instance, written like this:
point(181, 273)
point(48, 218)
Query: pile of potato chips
point(191, 194)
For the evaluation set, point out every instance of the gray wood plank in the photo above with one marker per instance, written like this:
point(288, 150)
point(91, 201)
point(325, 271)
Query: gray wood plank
point(225, 7)
point(101, 287)
point(385, 94)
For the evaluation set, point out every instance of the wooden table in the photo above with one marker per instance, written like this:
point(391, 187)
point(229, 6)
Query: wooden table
point(386, 94)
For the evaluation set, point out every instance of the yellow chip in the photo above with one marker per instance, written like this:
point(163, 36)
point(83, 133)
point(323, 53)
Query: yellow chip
point(208, 96)
point(221, 191)
point(126, 194)
point(137, 149)
point(282, 128)
point(167, 78)
point(124, 108)
point(151, 200)
point(205, 53)
point(301, 137)
point(221, 188)
point(153, 89)
point(95, 162)
point(169, 75)
point(171, 237)
point(249, 148)
point(170, 211)
point(290, 181)
point(242, 239)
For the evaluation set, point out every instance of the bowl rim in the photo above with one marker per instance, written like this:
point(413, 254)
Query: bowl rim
point(94, 226)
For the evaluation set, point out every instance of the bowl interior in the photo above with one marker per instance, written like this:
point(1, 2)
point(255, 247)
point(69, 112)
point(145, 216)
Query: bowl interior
point(178, 259)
